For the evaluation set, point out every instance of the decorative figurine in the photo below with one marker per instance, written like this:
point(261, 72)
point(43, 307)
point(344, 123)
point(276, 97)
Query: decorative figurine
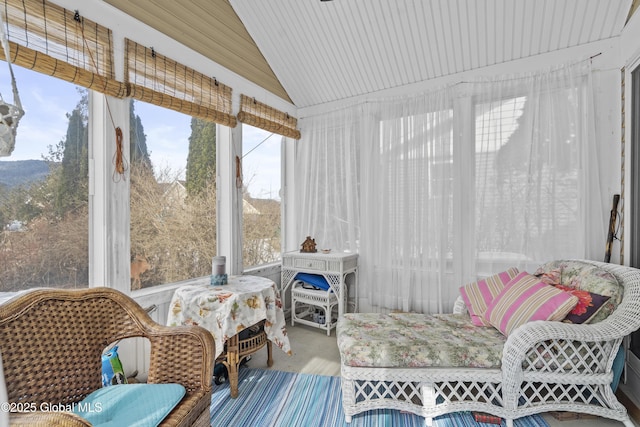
point(309, 245)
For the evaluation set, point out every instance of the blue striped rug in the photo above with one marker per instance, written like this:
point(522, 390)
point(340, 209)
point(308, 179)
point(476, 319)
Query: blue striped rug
point(269, 398)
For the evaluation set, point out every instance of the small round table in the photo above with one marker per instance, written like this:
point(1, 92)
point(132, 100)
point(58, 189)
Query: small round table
point(245, 303)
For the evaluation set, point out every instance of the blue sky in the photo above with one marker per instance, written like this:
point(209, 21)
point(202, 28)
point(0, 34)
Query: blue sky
point(47, 100)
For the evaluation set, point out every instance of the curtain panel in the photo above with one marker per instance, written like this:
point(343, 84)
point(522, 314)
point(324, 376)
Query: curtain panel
point(437, 189)
point(328, 180)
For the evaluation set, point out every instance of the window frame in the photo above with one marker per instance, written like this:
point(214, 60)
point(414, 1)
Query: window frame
point(109, 217)
point(634, 139)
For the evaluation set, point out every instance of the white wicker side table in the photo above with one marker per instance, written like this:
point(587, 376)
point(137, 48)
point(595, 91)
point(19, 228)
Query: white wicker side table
point(312, 300)
point(337, 268)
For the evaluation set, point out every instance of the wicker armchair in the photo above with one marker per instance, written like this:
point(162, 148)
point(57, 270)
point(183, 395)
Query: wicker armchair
point(51, 342)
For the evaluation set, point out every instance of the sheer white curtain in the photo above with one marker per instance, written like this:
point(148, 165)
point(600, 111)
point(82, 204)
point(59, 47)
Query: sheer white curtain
point(407, 209)
point(455, 183)
point(327, 180)
point(537, 181)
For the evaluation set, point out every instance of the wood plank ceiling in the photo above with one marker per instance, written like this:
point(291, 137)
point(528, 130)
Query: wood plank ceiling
point(211, 28)
point(312, 52)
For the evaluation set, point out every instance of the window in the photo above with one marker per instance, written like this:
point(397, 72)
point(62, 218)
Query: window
point(173, 196)
point(416, 161)
point(470, 183)
point(44, 186)
point(261, 243)
point(526, 187)
point(499, 156)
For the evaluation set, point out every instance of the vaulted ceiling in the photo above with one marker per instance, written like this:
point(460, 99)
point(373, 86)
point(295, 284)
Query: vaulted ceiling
point(311, 52)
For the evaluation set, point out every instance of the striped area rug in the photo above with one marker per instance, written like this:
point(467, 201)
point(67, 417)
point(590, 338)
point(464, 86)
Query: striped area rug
point(269, 398)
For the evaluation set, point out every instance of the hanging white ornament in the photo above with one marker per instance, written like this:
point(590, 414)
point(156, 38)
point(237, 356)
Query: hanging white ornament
point(10, 114)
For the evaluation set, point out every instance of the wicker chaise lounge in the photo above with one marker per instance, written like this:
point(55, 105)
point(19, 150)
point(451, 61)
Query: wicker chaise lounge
point(52, 340)
point(436, 364)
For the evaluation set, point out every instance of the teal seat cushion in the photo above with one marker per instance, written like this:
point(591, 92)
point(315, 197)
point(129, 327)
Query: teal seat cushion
point(618, 366)
point(139, 405)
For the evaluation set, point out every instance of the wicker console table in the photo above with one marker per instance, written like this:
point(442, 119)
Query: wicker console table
point(246, 302)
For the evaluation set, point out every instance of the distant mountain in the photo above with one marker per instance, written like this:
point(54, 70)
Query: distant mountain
point(19, 172)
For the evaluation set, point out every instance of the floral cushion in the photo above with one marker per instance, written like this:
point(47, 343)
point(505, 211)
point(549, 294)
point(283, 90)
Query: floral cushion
point(589, 304)
point(586, 277)
point(411, 340)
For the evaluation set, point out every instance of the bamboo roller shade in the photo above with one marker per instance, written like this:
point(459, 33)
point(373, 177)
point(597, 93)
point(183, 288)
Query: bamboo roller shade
point(159, 80)
point(37, 61)
point(262, 116)
point(47, 38)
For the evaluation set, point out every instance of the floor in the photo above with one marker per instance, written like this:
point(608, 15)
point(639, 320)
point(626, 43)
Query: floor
point(316, 353)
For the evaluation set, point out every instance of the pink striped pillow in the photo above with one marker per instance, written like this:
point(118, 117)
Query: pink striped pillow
point(478, 295)
point(525, 299)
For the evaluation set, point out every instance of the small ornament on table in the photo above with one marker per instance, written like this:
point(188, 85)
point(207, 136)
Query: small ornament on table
point(309, 245)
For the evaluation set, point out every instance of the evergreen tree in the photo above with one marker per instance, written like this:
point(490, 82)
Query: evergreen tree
point(201, 160)
point(139, 153)
point(72, 186)
point(70, 157)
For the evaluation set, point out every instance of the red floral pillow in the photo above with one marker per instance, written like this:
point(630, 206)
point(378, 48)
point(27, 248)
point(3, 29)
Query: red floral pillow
point(587, 307)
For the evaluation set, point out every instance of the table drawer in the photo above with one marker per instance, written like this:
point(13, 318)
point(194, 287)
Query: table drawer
point(310, 264)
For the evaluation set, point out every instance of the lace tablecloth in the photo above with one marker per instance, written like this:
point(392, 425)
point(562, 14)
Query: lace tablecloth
point(226, 310)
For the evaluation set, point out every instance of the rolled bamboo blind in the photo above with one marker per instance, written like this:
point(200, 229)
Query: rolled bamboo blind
point(52, 40)
point(262, 116)
point(161, 81)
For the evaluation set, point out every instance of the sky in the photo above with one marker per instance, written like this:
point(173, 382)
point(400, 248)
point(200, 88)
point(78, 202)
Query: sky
point(47, 101)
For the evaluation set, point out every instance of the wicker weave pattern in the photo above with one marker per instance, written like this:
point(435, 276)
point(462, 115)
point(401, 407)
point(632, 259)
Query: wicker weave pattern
point(51, 342)
point(546, 366)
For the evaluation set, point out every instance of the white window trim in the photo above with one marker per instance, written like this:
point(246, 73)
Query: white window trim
point(109, 229)
point(630, 66)
point(229, 197)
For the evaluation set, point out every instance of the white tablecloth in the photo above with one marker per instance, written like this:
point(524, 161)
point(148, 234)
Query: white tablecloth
point(226, 310)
